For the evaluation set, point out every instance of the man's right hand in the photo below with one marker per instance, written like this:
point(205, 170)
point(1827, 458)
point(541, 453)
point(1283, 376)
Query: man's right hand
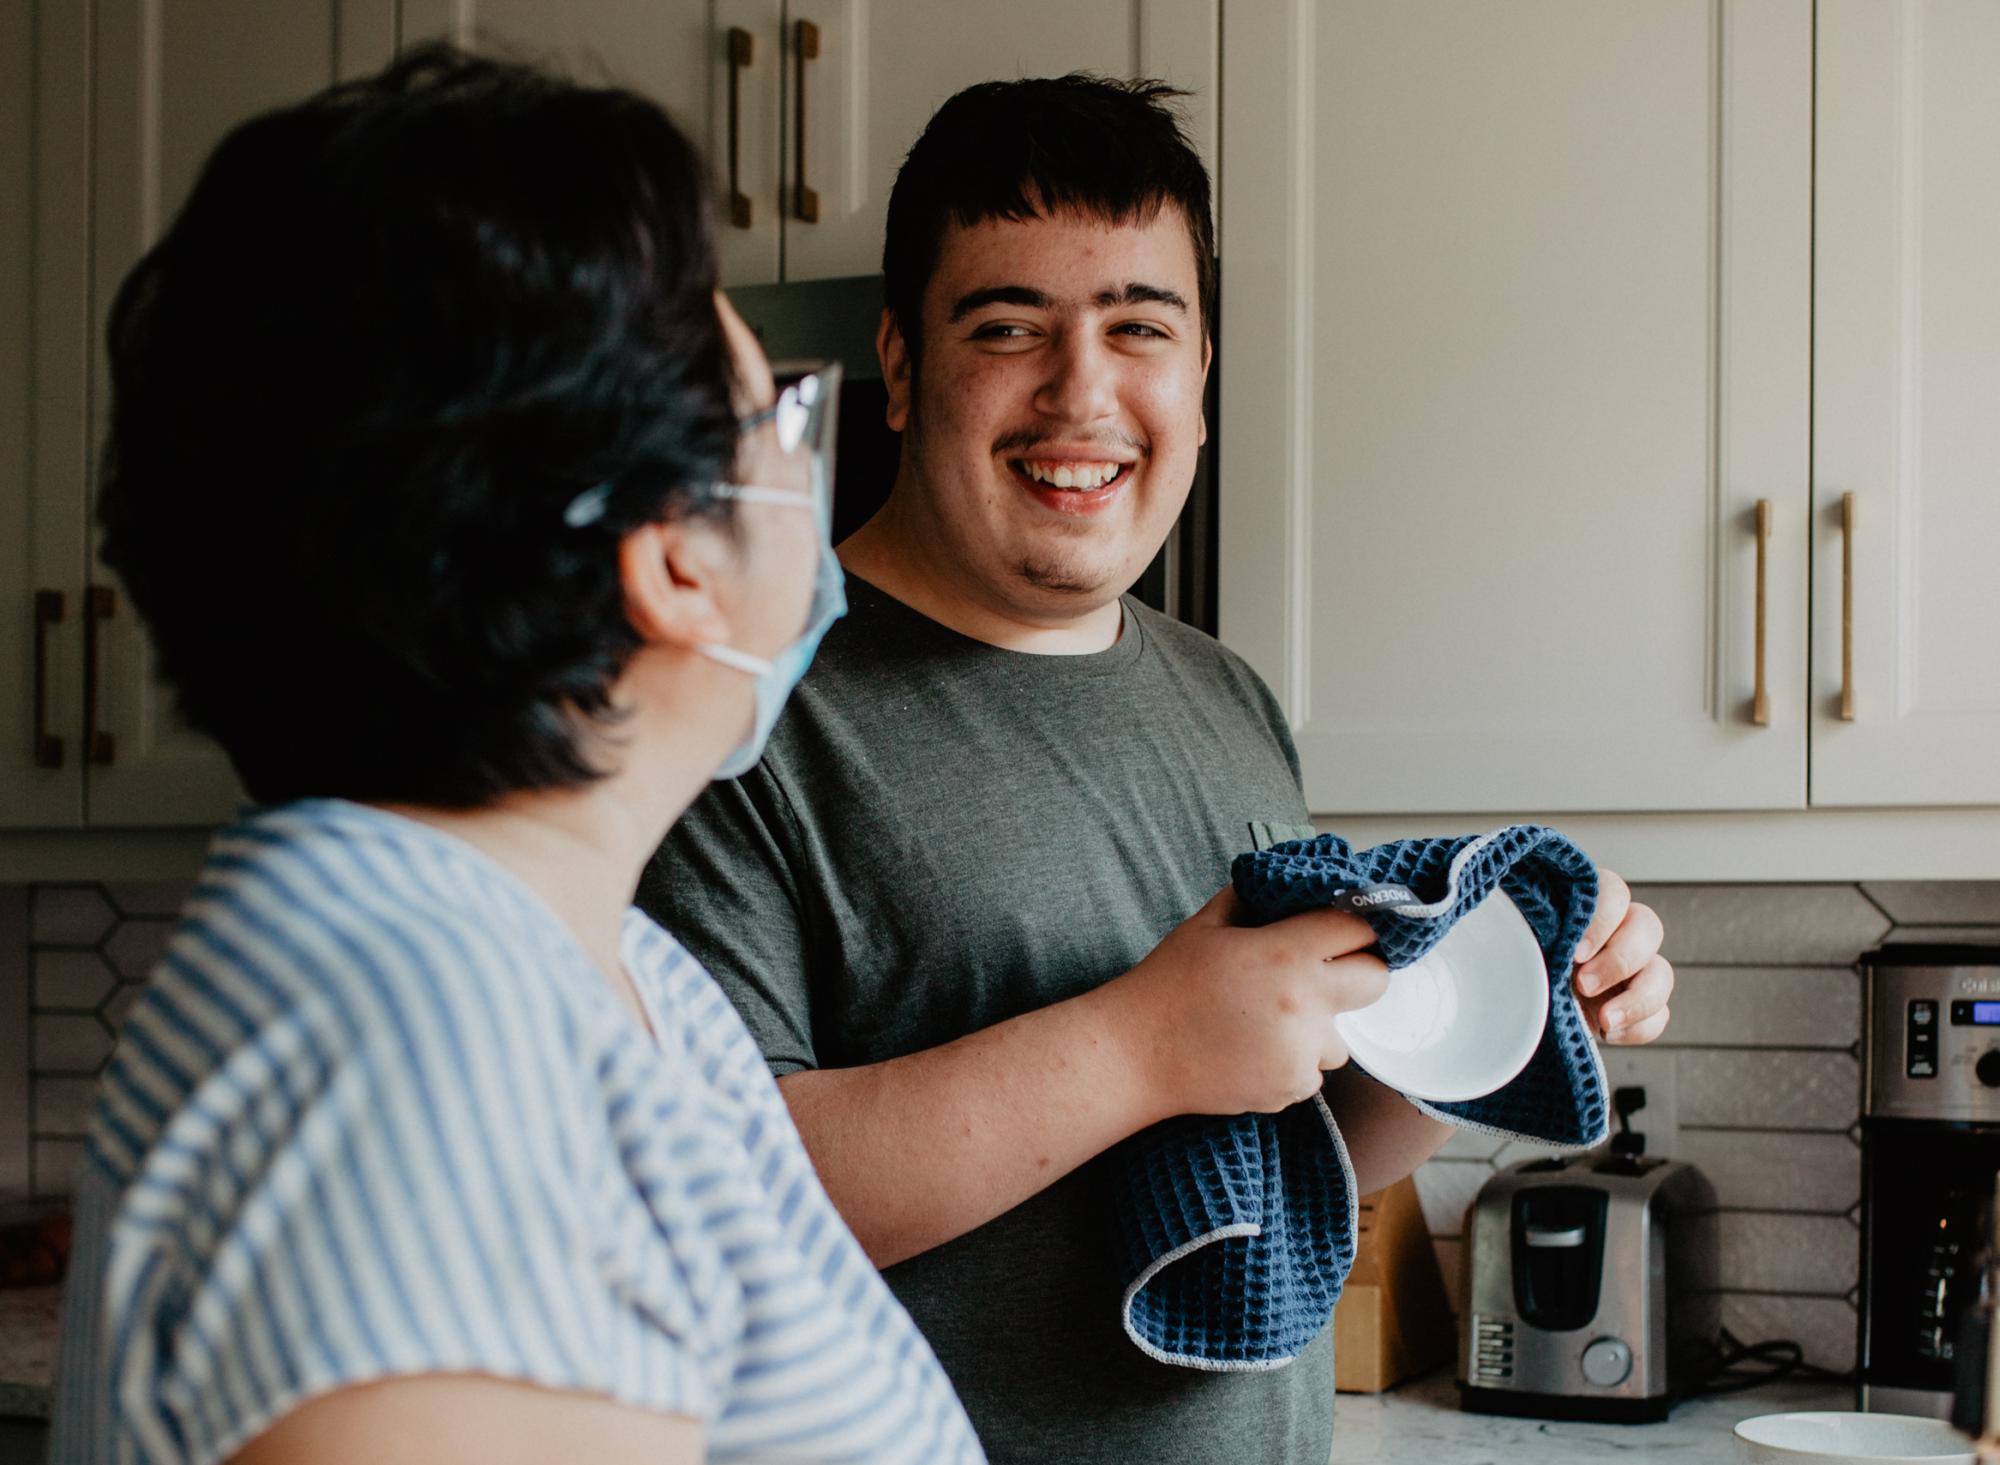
point(1227, 1018)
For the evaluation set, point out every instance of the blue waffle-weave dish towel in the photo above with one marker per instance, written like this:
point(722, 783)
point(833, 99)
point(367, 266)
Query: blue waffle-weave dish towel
point(1235, 1234)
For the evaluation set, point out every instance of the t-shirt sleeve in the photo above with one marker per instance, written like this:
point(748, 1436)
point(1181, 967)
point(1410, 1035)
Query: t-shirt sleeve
point(406, 1179)
point(725, 885)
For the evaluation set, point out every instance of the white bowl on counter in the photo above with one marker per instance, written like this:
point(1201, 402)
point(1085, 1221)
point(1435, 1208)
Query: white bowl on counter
point(1843, 1437)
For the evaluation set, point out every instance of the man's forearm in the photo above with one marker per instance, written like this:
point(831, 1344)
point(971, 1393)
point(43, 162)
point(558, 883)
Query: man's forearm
point(1387, 1136)
point(922, 1149)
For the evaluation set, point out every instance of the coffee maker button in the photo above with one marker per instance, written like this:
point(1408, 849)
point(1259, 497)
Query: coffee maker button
point(1988, 1068)
point(1607, 1362)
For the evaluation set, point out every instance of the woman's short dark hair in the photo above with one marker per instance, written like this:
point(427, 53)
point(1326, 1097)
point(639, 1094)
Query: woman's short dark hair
point(1020, 149)
point(395, 331)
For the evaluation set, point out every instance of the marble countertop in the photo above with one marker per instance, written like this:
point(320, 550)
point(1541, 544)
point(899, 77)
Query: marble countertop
point(27, 1350)
point(1420, 1423)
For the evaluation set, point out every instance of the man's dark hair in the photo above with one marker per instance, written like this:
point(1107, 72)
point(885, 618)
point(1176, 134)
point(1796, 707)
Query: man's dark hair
point(395, 331)
point(1022, 149)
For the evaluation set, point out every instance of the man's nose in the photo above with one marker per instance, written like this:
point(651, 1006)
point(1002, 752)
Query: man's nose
point(1079, 386)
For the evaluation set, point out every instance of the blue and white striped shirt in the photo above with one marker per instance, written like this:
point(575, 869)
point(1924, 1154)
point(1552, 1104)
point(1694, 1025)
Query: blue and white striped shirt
point(379, 1115)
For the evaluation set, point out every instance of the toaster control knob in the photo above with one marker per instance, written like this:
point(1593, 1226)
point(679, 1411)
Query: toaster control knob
point(1607, 1362)
point(1988, 1068)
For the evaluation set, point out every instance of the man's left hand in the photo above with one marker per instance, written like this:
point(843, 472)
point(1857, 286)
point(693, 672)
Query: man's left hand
point(1621, 979)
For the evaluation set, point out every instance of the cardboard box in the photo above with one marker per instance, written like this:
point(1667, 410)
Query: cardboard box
point(1394, 1320)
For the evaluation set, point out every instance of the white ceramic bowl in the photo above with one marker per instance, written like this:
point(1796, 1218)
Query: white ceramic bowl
point(1465, 1018)
point(1838, 1437)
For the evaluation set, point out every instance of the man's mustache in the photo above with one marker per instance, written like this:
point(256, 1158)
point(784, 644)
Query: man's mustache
point(1015, 442)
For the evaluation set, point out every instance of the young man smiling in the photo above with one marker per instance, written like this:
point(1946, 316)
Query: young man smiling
point(953, 901)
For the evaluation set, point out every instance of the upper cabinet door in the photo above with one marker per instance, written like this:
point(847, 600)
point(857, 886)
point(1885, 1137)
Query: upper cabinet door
point(166, 83)
point(44, 381)
point(712, 64)
point(1907, 404)
point(1514, 344)
point(862, 78)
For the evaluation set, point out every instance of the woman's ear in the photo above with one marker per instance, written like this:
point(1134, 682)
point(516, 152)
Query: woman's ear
point(894, 354)
point(677, 576)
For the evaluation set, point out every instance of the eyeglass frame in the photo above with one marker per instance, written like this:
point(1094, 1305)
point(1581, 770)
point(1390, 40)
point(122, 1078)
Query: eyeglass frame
point(811, 395)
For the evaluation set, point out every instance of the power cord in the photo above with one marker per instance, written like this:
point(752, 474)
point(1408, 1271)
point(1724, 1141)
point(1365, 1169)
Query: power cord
point(1743, 1365)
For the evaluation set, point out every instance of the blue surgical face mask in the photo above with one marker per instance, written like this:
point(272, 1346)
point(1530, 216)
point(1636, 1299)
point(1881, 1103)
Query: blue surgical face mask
point(778, 676)
point(802, 420)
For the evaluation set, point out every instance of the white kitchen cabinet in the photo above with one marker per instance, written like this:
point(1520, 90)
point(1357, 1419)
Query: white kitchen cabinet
point(1906, 379)
point(1531, 291)
point(714, 65)
point(806, 108)
point(1515, 340)
point(122, 101)
point(883, 66)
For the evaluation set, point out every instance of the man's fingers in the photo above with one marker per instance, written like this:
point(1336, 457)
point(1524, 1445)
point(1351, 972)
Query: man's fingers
point(1362, 979)
point(1644, 1032)
point(1636, 1002)
point(1614, 896)
point(1324, 933)
point(1632, 945)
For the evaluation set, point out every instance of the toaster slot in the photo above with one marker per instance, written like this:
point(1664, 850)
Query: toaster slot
point(1558, 1246)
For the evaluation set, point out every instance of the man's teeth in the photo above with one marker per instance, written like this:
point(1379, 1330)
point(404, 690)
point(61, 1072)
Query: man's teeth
point(1072, 475)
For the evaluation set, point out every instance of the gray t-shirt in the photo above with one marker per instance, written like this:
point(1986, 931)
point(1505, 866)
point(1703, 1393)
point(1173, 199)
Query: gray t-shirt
point(943, 835)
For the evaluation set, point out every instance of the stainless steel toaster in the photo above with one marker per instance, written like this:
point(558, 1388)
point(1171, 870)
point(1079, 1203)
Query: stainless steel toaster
point(1590, 1289)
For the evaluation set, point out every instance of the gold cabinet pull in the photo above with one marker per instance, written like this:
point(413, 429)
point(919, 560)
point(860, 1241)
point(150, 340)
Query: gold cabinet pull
point(1760, 702)
point(48, 612)
point(100, 604)
point(1847, 607)
point(805, 202)
point(740, 52)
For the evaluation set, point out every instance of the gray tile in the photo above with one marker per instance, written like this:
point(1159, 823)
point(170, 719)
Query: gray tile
point(1779, 1089)
point(120, 1005)
point(1470, 1144)
point(149, 897)
point(1767, 1252)
point(1815, 925)
point(69, 915)
point(63, 1106)
point(1752, 1006)
point(1948, 935)
point(70, 1044)
point(1446, 1188)
point(135, 945)
point(1824, 1327)
point(1777, 1172)
point(72, 979)
point(56, 1164)
point(1937, 902)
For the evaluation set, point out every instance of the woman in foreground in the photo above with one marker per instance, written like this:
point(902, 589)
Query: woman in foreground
point(468, 518)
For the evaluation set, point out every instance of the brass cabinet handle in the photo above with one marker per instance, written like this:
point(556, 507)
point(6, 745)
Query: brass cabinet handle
point(805, 203)
point(740, 52)
point(1760, 703)
point(1847, 607)
point(48, 612)
point(100, 604)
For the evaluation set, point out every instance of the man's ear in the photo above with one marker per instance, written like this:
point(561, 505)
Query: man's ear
point(674, 574)
point(1207, 360)
point(894, 354)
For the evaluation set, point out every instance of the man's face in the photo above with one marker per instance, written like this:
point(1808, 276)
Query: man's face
point(1051, 428)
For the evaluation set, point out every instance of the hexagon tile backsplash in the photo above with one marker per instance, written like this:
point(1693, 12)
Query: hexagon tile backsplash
point(89, 950)
point(1759, 1072)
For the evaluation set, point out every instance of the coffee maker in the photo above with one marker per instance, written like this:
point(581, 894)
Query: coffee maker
point(1930, 1151)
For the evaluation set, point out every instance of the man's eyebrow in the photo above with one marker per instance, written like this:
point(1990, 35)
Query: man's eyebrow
point(1138, 294)
point(998, 295)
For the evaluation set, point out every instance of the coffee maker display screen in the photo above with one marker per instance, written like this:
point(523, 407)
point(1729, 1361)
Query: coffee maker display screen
point(1986, 1014)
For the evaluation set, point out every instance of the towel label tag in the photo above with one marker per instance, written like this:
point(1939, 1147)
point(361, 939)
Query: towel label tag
point(1360, 899)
